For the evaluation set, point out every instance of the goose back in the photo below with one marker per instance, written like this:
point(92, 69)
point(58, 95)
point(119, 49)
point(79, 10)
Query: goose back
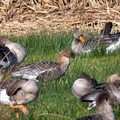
point(83, 85)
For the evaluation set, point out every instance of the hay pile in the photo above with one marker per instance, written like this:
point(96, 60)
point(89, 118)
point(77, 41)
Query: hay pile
point(20, 17)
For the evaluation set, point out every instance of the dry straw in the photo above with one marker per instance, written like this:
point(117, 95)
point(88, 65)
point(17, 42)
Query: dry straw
point(26, 16)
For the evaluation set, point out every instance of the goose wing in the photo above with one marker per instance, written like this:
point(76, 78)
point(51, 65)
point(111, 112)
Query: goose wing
point(91, 96)
point(11, 86)
point(104, 41)
point(92, 117)
point(14, 87)
point(7, 58)
point(33, 70)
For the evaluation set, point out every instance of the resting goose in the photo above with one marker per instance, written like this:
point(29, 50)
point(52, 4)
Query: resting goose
point(111, 87)
point(18, 92)
point(104, 101)
point(12, 52)
point(46, 70)
point(83, 85)
point(110, 41)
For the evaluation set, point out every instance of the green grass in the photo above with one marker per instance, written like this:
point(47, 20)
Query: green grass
point(56, 97)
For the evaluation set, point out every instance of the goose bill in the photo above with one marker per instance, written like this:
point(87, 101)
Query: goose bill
point(81, 39)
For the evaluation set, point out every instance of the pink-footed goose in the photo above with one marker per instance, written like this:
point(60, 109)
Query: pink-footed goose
point(112, 87)
point(83, 85)
point(104, 101)
point(46, 70)
point(110, 41)
point(16, 93)
point(11, 53)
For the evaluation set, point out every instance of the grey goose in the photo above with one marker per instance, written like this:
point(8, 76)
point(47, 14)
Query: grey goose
point(109, 41)
point(104, 101)
point(16, 93)
point(83, 85)
point(46, 70)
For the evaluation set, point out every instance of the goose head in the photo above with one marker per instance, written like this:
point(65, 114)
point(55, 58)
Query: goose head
point(105, 100)
point(114, 77)
point(78, 35)
point(89, 79)
point(105, 32)
point(4, 41)
point(65, 54)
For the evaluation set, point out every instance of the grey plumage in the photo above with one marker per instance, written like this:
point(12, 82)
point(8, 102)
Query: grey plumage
point(83, 85)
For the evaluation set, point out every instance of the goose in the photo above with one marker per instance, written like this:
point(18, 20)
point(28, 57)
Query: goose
point(83, 85)
point(112, 87)
point(110, 41)
point(104, 101)
point(16, 93)
point(46, 70)
point(13, 53)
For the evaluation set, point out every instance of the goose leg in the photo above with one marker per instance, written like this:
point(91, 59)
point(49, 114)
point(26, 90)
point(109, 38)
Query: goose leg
point(21, 107)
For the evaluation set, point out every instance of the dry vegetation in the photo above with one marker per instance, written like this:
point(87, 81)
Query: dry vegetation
point(25, 16)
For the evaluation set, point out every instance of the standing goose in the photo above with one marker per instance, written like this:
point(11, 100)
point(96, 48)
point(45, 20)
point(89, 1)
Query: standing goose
point(46, 70)
point(13, 53)
point(112, 87)
point(110, 41)
point(83, 85)
point(104, 101)
point(18, 92)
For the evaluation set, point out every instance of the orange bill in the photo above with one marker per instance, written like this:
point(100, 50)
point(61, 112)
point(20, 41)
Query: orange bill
point(111, 106)
point(81, 39)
